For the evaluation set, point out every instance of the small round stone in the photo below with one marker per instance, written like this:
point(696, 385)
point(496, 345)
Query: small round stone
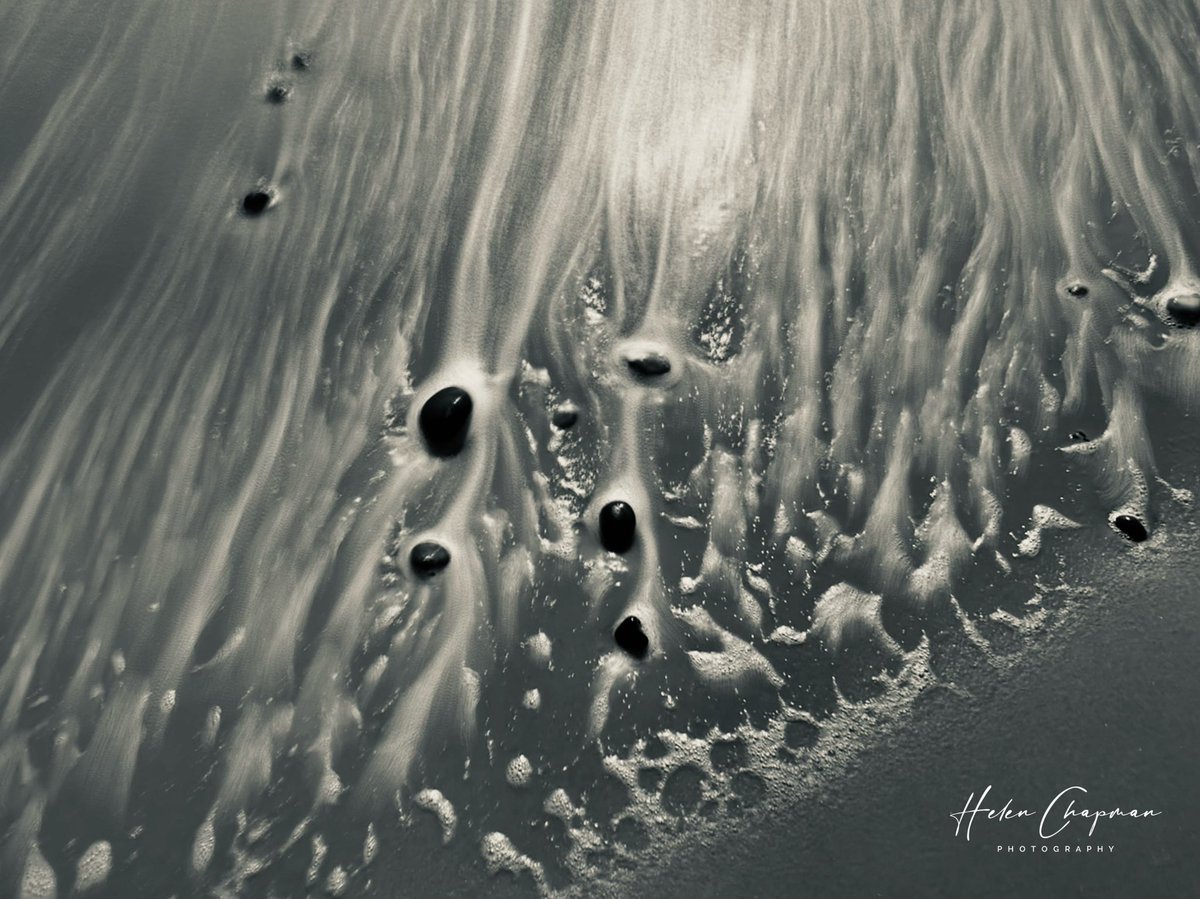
point(429, 558)
point(651, 365)
point(564, 418)
point(1077, 290)
point(256, 202)
point(278, 93)
point(301, 61)
point(1184, 310)
point(445, 420)
point(631, 638)
point(618, 526)
point(1131, 526)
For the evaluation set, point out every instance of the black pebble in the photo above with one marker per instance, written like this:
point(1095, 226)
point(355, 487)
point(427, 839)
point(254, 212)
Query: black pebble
point(651, 365)
point(429, 558)
point(631, 638)
point(1184, 311)
point(564, 418)
point(1077, 290)
point(1079, 436)
point(256, 202)
point(618, 524)
point(445, 420)
point(277, 93)
point(1131, 527)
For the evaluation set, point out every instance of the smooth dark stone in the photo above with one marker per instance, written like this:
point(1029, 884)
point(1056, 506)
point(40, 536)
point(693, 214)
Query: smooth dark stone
point(429, 558)
point(1131, 527)
point(1077, 290)
point(256, 202)
point(1079, 436)
point(618, 525)
point(1184, 311)
point(278, 93)
point(651, 365)
point(631, 638)
point(445, 420)
point(564, 418)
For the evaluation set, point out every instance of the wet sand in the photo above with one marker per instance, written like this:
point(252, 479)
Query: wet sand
point(511, 448)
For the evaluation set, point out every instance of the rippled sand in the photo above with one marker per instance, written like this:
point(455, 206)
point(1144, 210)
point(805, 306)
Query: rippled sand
point(856, 310)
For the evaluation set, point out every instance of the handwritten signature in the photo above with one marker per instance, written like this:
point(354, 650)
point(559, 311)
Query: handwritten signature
point(1059, 814)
